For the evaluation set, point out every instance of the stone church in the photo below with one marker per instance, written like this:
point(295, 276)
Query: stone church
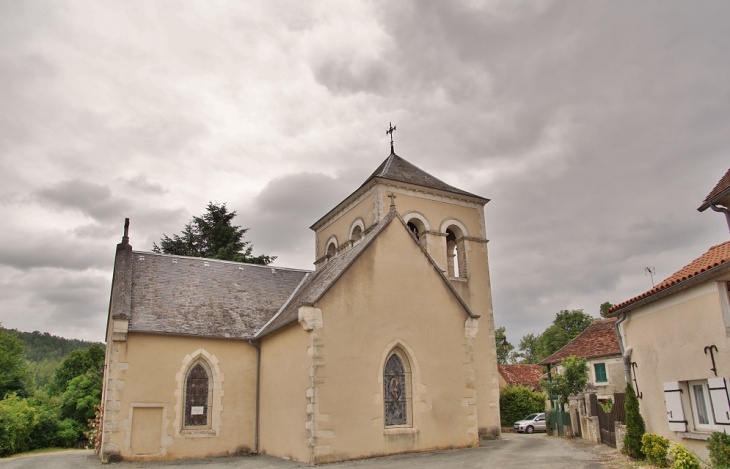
point(386, 347)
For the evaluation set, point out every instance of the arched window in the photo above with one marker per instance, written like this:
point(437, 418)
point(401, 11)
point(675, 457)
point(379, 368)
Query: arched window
point(331, 249)
point(455, 252)
point(396, 389)
point(417, 224)
point(356, 233)
point(197, 396)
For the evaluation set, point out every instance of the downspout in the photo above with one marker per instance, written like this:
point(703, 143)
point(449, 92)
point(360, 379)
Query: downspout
point(625, 352)
point(258, 374)
point(722, 210)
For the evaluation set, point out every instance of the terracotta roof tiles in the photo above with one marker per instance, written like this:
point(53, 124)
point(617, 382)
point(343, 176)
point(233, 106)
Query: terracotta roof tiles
point(721, 189)
point(714, 257)
point(525, 375)
point(598, 340)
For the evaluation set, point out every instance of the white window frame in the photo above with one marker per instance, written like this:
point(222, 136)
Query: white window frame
point(723, 290)
point(708, 404)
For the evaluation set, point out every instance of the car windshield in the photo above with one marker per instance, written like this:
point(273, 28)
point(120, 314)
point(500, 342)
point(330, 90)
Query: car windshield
point(530, 417)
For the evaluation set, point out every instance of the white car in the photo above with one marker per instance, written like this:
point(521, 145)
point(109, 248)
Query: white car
point(531, 423)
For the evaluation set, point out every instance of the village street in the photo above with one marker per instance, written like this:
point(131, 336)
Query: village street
point(512, 451)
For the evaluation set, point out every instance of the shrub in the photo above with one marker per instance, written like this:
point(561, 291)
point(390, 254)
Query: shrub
point(719, 446)
point(683, 458)
point(655, 448)
point(517, 402)
point(635, 426)
point(69, 432)
point(17, 420)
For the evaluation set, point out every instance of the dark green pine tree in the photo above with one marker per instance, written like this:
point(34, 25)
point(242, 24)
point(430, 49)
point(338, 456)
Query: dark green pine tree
point(213, 236)
point(635, 427)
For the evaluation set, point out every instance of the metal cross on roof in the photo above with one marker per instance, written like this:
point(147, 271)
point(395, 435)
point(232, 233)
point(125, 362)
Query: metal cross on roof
point(390, 131)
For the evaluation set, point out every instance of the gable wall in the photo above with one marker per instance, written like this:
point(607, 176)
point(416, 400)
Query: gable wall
point(365, 208)
point(145, 379)
point(390, 294)
point(285, 363)
point(668, 339)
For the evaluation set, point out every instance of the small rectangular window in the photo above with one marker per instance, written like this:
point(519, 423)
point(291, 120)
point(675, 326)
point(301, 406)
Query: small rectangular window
point(600, 369)
point(700, 402)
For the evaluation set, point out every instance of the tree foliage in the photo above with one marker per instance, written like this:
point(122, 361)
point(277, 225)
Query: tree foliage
point(81, 395)
point(635, 427)
point(566, 326)
point(213, 236)
point(517, 402)
point(604, 309)
point(14, 372)
point(78, 363)
point(572, 379)
point(42, 346)
point(528, 349)
point(17, 419)
point(500, 335)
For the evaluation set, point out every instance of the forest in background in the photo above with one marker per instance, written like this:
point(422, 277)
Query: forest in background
point(50, 390)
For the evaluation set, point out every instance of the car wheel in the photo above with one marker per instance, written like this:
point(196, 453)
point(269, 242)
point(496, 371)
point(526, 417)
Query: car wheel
point(529, 429)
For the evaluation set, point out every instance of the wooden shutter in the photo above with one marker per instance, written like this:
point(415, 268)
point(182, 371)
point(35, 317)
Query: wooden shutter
point(720, 400)
point(673, 401)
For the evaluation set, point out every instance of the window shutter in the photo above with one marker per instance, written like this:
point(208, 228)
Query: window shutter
point(673, 401)
point(720, 401)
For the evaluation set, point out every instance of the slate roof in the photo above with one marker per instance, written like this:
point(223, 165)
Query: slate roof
point(396, 168)
point(598, 340)
point(721, 190)
point(525, 375)
point(206, 297)
point(715, 259)
point(318, 282)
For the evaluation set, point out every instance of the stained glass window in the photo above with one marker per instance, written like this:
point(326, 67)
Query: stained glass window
point(394, 382)
point(196, 397)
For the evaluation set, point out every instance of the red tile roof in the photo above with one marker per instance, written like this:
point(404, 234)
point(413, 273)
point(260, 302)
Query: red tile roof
point(598, 340)
point(722, 188)
point(526, 375)
point(716, 256)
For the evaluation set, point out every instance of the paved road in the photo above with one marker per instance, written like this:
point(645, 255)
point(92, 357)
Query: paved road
point(511, 452)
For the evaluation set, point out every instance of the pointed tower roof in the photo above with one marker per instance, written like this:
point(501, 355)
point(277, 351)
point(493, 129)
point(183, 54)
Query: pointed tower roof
point(396, 168)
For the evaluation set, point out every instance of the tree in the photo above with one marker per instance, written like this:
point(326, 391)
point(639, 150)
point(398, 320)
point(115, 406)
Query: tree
point(572, 379)
point(635, 426)
point(528, 349)
point(566, 326)
point(81, 395)
point(604, 308)
point(516, 402)
point(499, 337)
point(14, 373)
point(78, 363)
point(212, 236)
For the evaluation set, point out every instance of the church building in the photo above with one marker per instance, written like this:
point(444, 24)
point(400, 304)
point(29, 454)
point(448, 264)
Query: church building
point(386, 347)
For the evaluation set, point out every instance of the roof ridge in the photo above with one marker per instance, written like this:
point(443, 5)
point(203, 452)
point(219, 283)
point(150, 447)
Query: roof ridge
point(222, 261)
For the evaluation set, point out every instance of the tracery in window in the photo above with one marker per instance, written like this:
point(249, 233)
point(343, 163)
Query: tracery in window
point(197, 392)
point(396, 389)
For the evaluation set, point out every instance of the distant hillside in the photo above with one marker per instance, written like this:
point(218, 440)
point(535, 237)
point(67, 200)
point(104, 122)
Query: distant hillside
point(42, 346)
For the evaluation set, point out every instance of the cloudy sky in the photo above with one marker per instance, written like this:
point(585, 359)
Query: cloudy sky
point(596, 129)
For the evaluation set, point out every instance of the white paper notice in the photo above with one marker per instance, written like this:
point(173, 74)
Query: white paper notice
point(196, 410)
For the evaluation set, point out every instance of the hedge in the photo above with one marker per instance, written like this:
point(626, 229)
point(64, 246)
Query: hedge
point(517, 402)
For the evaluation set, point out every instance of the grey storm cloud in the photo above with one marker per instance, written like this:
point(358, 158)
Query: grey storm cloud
point(595, 128)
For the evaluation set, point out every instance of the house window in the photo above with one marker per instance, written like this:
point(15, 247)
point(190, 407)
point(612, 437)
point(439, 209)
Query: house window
point(600, 372)
point(197, 392)
point(700, 401)
point(396, 389)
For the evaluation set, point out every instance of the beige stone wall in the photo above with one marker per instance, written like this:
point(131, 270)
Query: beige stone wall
point(668, 339)
point(144, 397)
point(364, 209)
point(285, 379)
point(391, 297)
point(615, 374)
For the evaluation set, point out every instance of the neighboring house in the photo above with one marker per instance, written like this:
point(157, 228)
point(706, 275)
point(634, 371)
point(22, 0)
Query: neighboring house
point(676, 337)
point(520, 375)
point(387, 347)
point(598, 343)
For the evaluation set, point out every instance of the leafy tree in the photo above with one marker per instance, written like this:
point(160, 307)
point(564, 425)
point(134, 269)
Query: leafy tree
point(566, 326)
point(78, 363)
point(499, 337)
point(213, 236)
point(604, 308)
point(635, 427)
point(42, 346)
point(528, 349)
point(517, 402)
point(17, 420)
point(81, 395)
point(572, 379)
point(14, 373)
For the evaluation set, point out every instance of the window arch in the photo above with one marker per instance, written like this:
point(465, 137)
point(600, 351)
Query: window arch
point(198, 395)
point(331, 246)
point(417, 224)
point(455, 248)
point(356, 230)
point(397, 389)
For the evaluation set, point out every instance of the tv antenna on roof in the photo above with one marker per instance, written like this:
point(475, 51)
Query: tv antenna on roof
point(651, 271)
